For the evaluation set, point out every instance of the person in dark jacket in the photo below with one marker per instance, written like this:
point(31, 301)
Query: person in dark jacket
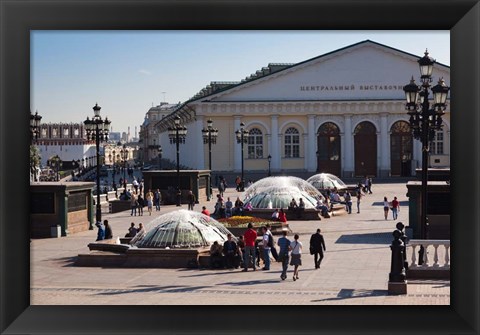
point(230, 252)
point(317, 247)
point(108, 230)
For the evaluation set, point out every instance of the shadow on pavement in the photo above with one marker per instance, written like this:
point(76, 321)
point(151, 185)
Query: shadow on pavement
point(372, 238)
point(252, 282)
point(67, 261)
point(208, 272)
point(153, 289)
point(352, 293)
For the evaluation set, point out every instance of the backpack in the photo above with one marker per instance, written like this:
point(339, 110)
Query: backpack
point(270, 241)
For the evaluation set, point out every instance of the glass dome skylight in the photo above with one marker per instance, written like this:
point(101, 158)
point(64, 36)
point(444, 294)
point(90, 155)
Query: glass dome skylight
point(182, 229)
point(277, 192)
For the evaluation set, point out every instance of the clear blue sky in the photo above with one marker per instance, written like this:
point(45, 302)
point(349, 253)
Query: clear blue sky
point(127, 71)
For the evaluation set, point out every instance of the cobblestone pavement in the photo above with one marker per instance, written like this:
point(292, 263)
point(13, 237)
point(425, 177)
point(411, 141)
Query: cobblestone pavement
point(354, 271)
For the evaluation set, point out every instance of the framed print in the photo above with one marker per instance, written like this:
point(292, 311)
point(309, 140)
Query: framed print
point(20, 18)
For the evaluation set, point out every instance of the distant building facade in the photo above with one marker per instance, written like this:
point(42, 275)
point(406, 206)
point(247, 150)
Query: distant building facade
point(342, 112)
point(149, 136)
point(68, 141)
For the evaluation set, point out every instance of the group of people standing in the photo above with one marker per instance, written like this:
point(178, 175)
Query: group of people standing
point(138, 202)
point(290, 252)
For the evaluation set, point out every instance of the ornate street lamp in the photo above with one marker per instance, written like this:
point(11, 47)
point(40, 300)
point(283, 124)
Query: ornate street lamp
point(97, 129)
point(124, 155)
point(55, 163)
point(425, 120)
point(210, 135)
point(269, 162)
point(34, 126)
point(242, 138)
point(34, 133)
point(177, 135)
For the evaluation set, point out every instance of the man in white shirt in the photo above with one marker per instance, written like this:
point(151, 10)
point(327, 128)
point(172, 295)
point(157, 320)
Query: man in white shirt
point(266, 249)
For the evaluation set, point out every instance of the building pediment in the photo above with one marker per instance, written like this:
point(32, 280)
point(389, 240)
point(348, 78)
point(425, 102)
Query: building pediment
point(363, 71)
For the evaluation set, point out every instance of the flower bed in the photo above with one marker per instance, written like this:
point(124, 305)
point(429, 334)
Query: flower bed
point(243, 221)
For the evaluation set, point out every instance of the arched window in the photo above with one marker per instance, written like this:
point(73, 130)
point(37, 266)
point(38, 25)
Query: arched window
point(255, 144)
point(292, 143)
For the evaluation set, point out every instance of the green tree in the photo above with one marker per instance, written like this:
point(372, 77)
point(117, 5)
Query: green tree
point(34, 161)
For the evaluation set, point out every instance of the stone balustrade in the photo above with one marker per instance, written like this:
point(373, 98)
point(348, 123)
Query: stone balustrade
point(436, 251)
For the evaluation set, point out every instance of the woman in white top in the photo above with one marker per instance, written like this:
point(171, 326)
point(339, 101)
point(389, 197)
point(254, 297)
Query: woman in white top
point(386, 207)
point(296, 260)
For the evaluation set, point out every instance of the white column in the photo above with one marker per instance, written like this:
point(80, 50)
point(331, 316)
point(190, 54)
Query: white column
point(384, 141)
point(417, 155)
point(348, 145)
point(237, 153)
point(199, 156)
point(275, 145)
point(310, 155)
point(307, 148)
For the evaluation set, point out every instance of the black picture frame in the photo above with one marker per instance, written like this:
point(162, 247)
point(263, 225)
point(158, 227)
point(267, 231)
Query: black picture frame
point(462, 18)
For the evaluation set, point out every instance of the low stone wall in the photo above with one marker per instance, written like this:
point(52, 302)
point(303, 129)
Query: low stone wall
point(119, 206)
point(120, 255)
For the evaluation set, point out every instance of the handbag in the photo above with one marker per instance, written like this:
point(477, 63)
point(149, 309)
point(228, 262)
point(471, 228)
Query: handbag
point(312, 251)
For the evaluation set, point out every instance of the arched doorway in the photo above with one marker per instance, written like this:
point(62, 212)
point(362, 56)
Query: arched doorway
point(401, 148)
point(328, 149)
point(365, 138)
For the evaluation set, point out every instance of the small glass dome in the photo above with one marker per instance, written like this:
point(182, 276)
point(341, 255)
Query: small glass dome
point(324, 181)
point(277, 192)
point(182, 229)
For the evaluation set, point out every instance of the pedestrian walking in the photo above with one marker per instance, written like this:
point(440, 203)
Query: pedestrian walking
point(179, 197)
point(386, 207)
point(191, 200)
point(370, 182)
point(348, 201)
point(140, 204)
point(149, 197)
point(133, 204)
point(157, 197)
point(266, 248)
point(273, 250)
point(395, 208)
point(359, 199)
point(221, 187)
point(250, 237)
point(317, 247)
point(284, 244)
point(296, 260)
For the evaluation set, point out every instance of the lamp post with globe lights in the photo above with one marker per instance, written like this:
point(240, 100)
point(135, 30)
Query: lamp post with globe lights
point(97, 129)
point(209, 135)
point(242, 138)
point(425, 120)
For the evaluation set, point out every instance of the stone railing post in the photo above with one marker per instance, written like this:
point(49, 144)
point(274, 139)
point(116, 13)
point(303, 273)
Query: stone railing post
point(396, 279)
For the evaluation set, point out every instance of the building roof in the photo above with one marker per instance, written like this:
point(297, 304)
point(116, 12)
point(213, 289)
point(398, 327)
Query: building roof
point(272, 68)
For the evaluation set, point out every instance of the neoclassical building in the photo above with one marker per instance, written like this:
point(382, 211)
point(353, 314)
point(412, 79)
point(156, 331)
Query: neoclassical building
point(149, 137)
point(342, 112)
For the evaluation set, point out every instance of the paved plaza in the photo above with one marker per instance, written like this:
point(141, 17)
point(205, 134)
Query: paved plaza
point(354, 271)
